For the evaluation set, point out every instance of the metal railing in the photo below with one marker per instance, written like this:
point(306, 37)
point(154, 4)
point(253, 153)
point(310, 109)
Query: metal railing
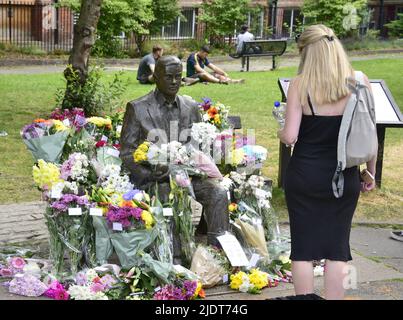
point(29, 24)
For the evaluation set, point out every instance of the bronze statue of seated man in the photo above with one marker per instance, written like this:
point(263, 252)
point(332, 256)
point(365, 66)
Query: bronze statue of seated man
point(163, 116)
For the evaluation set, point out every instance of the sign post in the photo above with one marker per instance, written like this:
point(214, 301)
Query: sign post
point(388, 115)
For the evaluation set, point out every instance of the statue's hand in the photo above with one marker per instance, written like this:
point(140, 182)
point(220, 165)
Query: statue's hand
point(161, 172)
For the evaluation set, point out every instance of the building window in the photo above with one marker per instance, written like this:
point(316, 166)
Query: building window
point(255, 23)
point(292, 19)
point(181, 28)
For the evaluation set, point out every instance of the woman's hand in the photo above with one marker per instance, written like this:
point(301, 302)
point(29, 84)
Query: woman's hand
point(366, 187)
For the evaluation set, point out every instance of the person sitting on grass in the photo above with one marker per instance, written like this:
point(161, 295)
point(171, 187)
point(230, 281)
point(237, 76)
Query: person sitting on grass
point(145, 73)
point(195, 69)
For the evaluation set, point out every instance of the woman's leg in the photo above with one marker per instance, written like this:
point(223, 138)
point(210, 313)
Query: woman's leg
point(302, 276)
point(335, 273)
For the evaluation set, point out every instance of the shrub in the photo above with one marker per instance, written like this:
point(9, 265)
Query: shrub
point(95, 96)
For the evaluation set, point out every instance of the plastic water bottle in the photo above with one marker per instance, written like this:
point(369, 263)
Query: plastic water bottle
point(279, 112)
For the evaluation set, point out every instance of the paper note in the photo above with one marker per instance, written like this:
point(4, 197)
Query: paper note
point(233, 250)
point(56, 192)
point(104, 138)
point(167, 212)
point(96, 212)
point(260, 193)
point(117, 226)
point(119, 128)
point(75, 212)
point(225, 278)
point(113, 152)
point(253, 260)
point(66, 122)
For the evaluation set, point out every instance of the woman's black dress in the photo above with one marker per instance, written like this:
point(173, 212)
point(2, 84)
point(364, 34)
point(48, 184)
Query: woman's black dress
point(320, 223)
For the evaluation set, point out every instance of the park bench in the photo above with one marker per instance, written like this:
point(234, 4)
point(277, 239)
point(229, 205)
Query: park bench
point(261, 48)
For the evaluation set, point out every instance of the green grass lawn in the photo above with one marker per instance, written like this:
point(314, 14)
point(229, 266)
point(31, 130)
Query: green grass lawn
point(25, 97)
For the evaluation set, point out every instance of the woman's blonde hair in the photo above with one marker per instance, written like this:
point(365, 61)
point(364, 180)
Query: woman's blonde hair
point(324, 66)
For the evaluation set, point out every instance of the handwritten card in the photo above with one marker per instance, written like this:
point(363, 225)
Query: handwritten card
point(56, 192)
point(113, 152)
point(167, 212)
point(117, 226)
point(233, 250)
point(96, 212)
point(75, 212)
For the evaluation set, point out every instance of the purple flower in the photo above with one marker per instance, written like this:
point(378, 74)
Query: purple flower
point(108, 281)
point(81, 278)
point(79, 121)
point(136, 213)
point(182, 180)
point(27, 285)
point(190, 288)
point(131, 194)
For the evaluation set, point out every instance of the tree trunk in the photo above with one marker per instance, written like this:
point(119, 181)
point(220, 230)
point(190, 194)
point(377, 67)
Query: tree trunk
point(83, 40)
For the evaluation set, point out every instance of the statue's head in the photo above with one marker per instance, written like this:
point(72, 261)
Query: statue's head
point(168, 75)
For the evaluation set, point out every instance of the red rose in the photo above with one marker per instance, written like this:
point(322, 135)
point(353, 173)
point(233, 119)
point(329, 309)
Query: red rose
point(100, 144)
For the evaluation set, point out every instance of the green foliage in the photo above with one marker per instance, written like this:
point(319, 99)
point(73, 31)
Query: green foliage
point(395, 28)
point(95, 96)
point(223, 17)
point(165, 12)
point(343, 16)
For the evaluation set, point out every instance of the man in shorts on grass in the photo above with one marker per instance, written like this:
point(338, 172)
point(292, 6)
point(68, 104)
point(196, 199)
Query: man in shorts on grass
point(145, 73)
point(195, 65)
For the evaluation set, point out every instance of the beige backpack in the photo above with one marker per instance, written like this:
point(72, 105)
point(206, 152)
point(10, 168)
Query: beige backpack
point(358, 140)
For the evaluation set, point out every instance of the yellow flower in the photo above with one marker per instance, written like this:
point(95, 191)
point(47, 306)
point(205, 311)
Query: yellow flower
point(46, 174)
point(232, 207)
point(284, 259)
point(258, 278)
point(59, 126)
point(100, 122)
point(236, 280)
point(147, 218)
point(238, 156)
point(217, 119)
point(199, 287)
point(140, 155)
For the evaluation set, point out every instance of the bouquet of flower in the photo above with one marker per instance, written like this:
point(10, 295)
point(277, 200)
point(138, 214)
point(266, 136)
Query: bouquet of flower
point(128, 228)
point(181, 290)
point(254, 194)
point(210, 265)
point(70, 229)
point(252, 283)
point(74, 118)
point(214, 113)
point(181, 189)
point(77, 168)
point(45, 139)
point(92, 285)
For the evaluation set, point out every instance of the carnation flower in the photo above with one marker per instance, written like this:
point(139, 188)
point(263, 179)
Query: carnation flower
point(17, 263)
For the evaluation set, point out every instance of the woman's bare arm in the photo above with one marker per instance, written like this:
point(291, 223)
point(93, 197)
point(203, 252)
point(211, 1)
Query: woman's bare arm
point(289, 134)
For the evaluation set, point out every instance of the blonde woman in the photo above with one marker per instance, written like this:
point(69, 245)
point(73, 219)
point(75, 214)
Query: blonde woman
point(320, 223)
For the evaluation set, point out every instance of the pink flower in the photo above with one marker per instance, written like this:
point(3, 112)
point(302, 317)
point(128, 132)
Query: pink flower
point(5, 272)
point(61, 295)
point(97, 287)
point(182, 181)
point(17, 263)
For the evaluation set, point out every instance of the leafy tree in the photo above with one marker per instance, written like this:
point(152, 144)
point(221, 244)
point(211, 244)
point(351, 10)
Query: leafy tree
point(117, 16)
point(223, 17)
point(395, 28)
point(164, 12)
point(343, 16)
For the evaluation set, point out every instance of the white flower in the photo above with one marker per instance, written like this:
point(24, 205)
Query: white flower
point(318, 271)
point(85, 293)
point(112, 181)
point(245, 286)
point(204, 134)
point(226, 183)
point(91, 274)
